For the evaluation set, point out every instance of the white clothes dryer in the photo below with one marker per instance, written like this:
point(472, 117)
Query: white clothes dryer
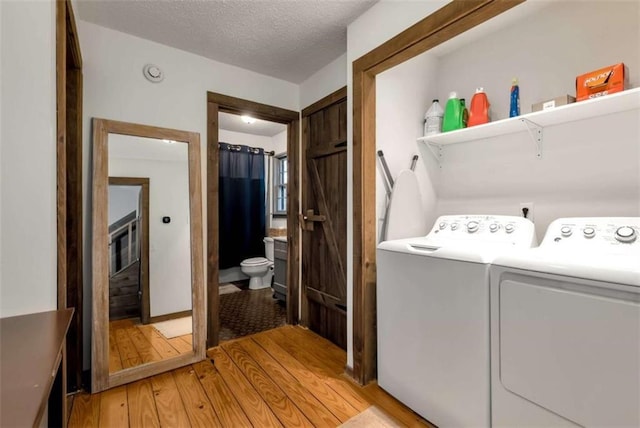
point(433, 315)
point(565, 328)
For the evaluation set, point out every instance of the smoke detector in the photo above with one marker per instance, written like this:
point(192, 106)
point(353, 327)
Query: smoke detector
point(153, 73)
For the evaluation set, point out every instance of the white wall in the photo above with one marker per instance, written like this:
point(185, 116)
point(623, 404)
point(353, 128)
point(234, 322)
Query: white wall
point(377, 25)
point(571, 44)
point(328, 79)
point(169, 244)
point(114, 88)
point(400, 116)
point(28, 158)
point(122, 200)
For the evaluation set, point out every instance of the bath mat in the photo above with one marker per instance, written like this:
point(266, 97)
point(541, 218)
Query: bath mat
point(228, 289)
point(373, 417)
point(175, 328)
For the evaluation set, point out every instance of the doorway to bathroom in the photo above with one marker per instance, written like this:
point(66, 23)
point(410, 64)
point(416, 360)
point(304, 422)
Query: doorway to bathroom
point(251, 205)
point(252, 208)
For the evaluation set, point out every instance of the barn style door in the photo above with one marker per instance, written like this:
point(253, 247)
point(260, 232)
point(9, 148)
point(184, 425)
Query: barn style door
point(324, 218)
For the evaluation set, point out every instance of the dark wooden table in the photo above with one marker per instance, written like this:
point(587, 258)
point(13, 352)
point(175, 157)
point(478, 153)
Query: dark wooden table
point(30, 368)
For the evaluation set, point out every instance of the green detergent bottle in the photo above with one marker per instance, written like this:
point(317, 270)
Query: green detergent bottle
point(453, 114)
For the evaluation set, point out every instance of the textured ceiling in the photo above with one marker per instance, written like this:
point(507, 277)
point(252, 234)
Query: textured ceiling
point(232, 122)
point(286, 39)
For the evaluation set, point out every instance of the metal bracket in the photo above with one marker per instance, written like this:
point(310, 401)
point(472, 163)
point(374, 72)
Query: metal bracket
point(535, 132)
point(436, 151)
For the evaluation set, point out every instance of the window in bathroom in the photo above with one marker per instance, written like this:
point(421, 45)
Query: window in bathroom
point(280, 183)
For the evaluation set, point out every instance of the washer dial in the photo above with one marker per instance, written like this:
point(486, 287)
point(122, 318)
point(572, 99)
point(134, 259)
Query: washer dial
point(509, 228)
point(626, 234)
point(454, 226)
point(472, 226)
point(493, 227)
point(589, 232)
point(566, 231)
point(442, 225)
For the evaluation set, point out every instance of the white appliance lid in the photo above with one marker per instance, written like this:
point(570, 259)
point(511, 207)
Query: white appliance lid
point(585, 248)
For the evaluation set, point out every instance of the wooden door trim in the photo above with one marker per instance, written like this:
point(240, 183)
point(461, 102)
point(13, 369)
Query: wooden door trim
point(442, 25)
point(227, 104)
point(144, 183)
point(69, 204)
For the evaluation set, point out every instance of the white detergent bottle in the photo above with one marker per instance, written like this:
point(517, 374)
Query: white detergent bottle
point(433, 119)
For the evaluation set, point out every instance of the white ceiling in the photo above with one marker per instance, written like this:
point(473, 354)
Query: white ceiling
point(286, 39)
point(232, 122)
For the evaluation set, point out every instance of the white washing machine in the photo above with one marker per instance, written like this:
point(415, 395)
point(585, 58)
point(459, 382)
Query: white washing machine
point(433, 315)
point(565, 328)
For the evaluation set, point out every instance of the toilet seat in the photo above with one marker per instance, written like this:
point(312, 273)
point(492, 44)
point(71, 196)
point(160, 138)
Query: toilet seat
point(255, 261)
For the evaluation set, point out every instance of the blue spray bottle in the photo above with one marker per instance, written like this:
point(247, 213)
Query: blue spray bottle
point(514, 108)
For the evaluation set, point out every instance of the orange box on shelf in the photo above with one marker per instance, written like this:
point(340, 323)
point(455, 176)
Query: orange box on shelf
point(601, 82)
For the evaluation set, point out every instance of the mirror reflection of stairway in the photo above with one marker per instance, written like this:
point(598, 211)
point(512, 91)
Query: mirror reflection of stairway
point(124, 268)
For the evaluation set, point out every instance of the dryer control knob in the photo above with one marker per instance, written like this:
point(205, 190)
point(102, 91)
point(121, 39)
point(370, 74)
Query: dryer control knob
point(589, 232)
point(454, 226)
point(566, 231)
point(626, 234)
point(442, 225)
point(509, 228)
point(472, 226)
point(493, 227)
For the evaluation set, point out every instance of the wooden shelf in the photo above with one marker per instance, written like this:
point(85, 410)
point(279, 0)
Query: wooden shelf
point(535, 122)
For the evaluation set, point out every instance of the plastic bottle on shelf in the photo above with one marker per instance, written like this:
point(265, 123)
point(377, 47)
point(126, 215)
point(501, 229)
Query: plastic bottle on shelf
point(433, 119)
point(514, 107)
point(465, 113)
point(452, 114)
point(479, 108)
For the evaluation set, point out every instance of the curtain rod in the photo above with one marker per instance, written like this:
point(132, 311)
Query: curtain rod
point(253, 149)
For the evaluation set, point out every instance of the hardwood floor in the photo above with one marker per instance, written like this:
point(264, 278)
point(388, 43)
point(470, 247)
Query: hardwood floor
point(284, 377)
point(132, 344)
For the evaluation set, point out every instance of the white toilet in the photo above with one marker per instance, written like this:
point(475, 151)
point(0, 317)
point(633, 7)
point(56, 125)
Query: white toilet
point(260, 269)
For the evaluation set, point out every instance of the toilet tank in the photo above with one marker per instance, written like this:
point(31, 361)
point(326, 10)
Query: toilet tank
point(268, 248)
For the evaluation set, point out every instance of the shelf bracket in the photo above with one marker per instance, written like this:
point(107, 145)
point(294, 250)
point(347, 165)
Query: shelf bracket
point(436, 151)
point(535, 132)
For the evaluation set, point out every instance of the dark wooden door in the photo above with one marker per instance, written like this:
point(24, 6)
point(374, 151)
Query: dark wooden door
point(324, 219)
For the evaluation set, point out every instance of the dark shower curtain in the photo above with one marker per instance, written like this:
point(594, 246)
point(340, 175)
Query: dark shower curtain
point(241, 204)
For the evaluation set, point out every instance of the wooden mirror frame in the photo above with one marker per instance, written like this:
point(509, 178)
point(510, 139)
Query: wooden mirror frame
point(101, 379)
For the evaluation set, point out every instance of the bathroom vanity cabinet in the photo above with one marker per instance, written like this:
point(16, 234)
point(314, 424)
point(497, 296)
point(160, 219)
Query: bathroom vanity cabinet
point(280, 268)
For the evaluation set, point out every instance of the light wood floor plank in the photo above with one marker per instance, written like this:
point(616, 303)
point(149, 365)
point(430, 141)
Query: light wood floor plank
point(115, 361)
point(390, 405)
point(85, 411)
point(284, 377)
point(224, 403)
point(333, 356)
point(158, 341)
point(147, 352)
point(313, 382)
point(171, 411)
point(180, 345)
point(313, 409)
point(311, 361)
point(114, 408)
point(282, 406)
point(253, 405)
point(142, 407)
point(196, 402)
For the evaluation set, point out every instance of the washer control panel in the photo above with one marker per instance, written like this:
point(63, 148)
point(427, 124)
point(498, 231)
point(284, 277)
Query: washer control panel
point(594, 232)
point(483, 228)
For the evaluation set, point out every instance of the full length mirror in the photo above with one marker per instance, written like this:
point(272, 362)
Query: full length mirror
point(148, 293)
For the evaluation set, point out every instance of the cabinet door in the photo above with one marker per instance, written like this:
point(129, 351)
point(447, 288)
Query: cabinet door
point(324, 203)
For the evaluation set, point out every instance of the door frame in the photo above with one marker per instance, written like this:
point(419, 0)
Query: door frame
point(144, 184)
point(444, 24)
point(217, 103)
point(69, 201)
point(333, 98)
